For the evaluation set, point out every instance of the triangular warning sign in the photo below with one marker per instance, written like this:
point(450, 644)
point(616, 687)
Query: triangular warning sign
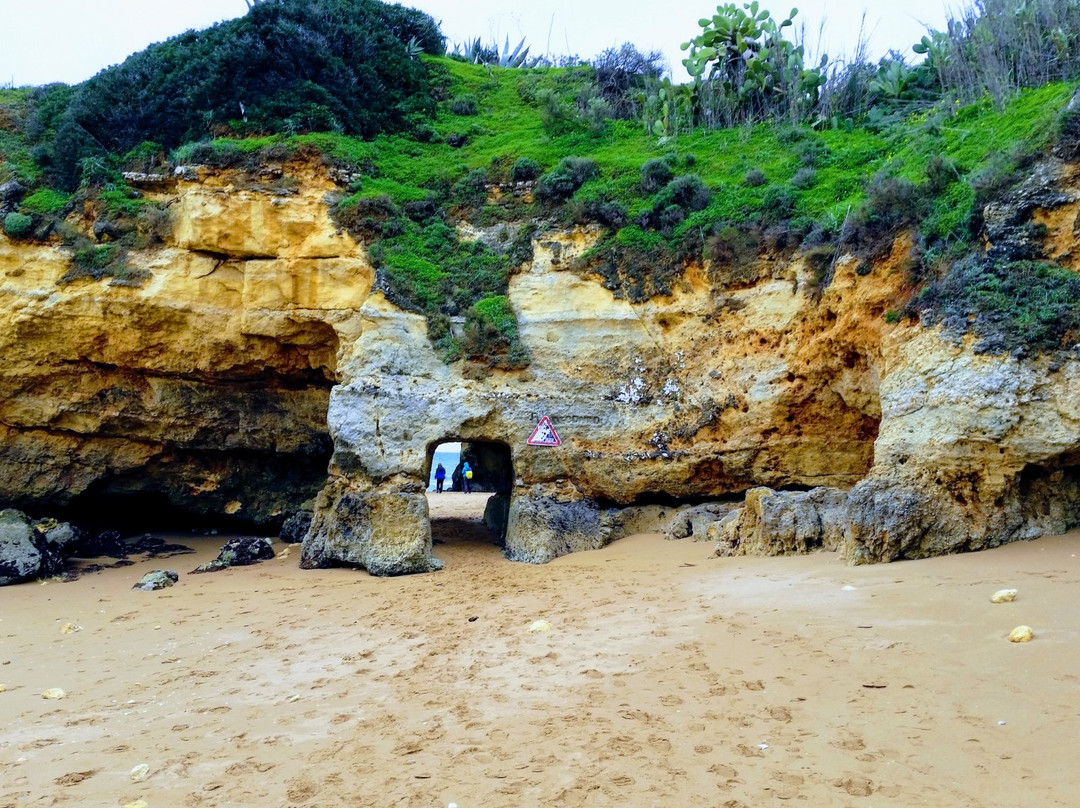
point(544, 434)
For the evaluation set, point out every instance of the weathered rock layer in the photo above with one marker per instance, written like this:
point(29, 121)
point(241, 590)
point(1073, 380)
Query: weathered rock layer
point(257, 367)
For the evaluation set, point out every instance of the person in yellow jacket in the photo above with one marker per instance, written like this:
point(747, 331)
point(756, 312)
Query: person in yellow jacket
point(466, 478)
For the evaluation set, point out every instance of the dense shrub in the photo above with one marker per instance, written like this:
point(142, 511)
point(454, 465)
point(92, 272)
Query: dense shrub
point(464, 105)
point(472, 188)
point(1018, 305)
point(525, 169)
point(655, 174)
point(286, 66)
point(18, 225)
point(891, 203)
point(491, 334)
point(777, 205)
point(804, 178)
point(688, 192)
point(621, 74)
point(568, 175)
point(755, 178)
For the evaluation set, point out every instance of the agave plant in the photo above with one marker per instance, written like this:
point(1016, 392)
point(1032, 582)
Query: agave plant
point(479, 54)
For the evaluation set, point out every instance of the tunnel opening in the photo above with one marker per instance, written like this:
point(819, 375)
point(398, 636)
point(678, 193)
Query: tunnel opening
point(473, 506)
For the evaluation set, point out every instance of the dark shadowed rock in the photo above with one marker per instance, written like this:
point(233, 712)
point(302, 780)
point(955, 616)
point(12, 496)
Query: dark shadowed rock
point(239, 553)
point(296, 527)
point(100, 545)
point(11, 191)
point(158, 579)
point(20, 559)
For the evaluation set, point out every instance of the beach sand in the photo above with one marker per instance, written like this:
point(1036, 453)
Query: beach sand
point(667, 678)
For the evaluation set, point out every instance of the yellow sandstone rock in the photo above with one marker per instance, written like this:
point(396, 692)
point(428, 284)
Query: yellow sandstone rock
point(54, 693)
point(1003, 596)
point(1021, 634)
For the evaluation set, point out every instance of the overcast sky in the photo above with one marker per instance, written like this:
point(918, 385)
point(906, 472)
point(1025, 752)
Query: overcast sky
point(42, 41)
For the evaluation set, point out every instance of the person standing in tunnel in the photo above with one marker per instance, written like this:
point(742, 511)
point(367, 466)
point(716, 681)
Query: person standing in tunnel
point(466, 478)
point(440, 478)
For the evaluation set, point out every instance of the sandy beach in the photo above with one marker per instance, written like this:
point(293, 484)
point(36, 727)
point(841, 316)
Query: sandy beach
point(666, 678)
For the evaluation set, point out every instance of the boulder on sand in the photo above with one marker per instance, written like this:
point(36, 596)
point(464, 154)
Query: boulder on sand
point(239, 552)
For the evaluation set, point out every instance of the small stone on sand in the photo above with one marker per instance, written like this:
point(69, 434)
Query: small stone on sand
point(69, 628)
point(138, 804)
point(1021, 634)
point(1003, 596)
point(3, 687)
point(54, 693)
point(540, 626)
point(138, 774)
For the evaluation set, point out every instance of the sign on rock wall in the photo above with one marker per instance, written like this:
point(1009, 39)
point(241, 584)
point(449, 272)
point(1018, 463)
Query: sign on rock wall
point(544, 434)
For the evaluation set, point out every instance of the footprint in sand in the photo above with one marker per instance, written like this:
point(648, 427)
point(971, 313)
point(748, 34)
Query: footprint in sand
point(850, 741)
point(856, 785)
point(215, 710)
point(301, 789)
point(624, 745)
point(782, 714)
point(723, 771)
point(659, 744)
point(787, 786)
point(73, 778)
point(749, 751)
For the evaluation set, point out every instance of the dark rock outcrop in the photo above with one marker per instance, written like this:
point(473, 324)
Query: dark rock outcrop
point(157, 579)
point(30, 549)
point(296, 527)
point(239, 552)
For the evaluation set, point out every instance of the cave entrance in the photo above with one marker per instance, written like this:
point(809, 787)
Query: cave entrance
point(476, 518)
point(1049, 495)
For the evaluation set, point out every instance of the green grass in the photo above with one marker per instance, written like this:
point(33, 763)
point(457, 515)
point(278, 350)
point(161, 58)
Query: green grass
point(509, 125)
point(425, 266)
point(45, 200)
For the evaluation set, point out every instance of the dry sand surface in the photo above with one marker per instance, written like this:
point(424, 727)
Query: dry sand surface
point(666, 679)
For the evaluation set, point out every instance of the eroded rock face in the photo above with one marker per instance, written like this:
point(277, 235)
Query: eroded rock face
point(386, 533)
point(257, 347)
point(704, 393)
point(974, 451)
point(783, 523)
point(206, 389)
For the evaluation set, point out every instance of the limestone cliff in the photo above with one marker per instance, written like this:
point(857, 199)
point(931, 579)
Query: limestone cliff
point(204, 389)
point(219, 386)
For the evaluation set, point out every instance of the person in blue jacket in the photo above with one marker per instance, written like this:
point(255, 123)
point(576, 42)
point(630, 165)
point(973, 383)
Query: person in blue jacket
point(440, 477)
point(466, 478)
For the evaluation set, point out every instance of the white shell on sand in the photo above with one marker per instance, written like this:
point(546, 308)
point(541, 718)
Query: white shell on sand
point(54, 693)
point(138, 774)
point(540, 626)
point(69, 628)
point(138, 804)
point(1021, 634)
point(3, 687)
point(1003, 596)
